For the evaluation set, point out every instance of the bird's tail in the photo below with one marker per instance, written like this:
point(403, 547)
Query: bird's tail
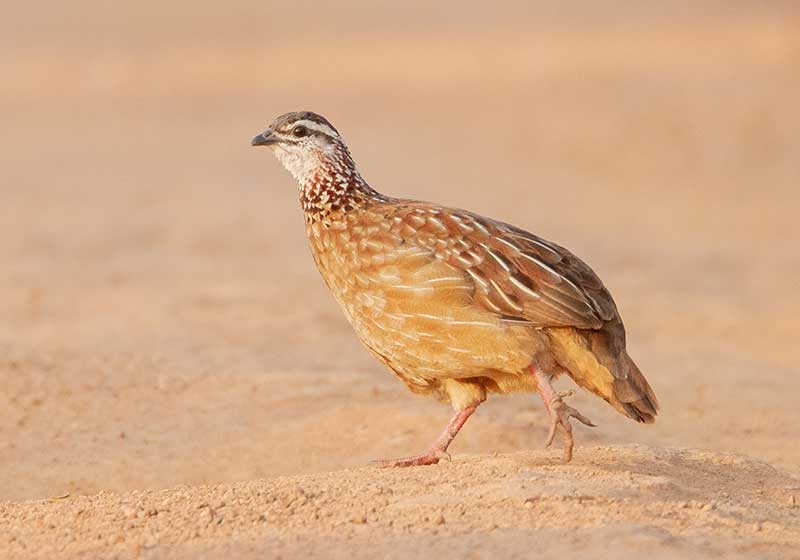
point(602, 366)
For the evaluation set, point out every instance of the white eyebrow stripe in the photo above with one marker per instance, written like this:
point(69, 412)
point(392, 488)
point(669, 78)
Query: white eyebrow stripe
point(311, 125)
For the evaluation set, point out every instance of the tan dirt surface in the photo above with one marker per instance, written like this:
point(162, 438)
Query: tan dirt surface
point(162, 324)
point(621, 500)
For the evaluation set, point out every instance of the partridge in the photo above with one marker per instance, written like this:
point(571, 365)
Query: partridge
point(457, 305)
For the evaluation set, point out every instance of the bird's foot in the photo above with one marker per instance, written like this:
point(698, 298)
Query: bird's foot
point(560, 413)
point(438, 450)
point(430, 458)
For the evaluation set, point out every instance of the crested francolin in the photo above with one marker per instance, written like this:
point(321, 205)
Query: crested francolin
point(455, 304)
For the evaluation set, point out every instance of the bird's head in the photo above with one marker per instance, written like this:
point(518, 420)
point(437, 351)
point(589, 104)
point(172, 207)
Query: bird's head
point(305, 143)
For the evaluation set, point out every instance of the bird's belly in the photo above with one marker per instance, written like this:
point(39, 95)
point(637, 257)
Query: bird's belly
point(426, 333)
point(439, 343)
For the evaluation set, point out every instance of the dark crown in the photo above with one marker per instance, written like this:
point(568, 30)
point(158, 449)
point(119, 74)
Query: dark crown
point(286, 120)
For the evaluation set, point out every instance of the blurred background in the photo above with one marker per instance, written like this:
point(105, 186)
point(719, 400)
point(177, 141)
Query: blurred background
point(162, 322)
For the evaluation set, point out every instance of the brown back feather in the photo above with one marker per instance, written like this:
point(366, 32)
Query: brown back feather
point(526, 279)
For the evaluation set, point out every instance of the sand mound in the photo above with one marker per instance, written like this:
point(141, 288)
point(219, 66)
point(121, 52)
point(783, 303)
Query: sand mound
point(626, 499)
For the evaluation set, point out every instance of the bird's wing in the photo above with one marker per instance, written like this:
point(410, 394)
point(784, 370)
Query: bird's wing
point(515, 274)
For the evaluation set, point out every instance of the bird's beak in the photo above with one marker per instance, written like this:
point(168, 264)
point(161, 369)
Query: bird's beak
point(264, 139)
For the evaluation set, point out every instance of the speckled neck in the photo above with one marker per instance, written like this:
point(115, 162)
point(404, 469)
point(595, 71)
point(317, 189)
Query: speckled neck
point(336, 186)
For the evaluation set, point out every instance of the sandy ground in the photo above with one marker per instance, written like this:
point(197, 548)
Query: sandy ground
point(619, 500)
point(162, 325)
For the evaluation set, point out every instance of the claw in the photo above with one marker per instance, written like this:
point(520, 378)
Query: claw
point(439, 449)
point(560, 414)
point(552, 433)
point(432, 457)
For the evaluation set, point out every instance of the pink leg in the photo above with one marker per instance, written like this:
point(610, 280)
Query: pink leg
point(559, 412)
point(439, 447)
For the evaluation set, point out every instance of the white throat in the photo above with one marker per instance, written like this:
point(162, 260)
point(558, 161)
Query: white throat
point(302, 164)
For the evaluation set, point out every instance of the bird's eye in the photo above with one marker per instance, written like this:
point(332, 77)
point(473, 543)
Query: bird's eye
point(299, 131)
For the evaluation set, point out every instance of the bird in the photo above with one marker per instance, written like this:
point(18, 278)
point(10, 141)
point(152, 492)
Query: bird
point(457, 305)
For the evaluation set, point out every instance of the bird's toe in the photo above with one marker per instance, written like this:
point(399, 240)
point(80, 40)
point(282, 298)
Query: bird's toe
point(432, 457)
